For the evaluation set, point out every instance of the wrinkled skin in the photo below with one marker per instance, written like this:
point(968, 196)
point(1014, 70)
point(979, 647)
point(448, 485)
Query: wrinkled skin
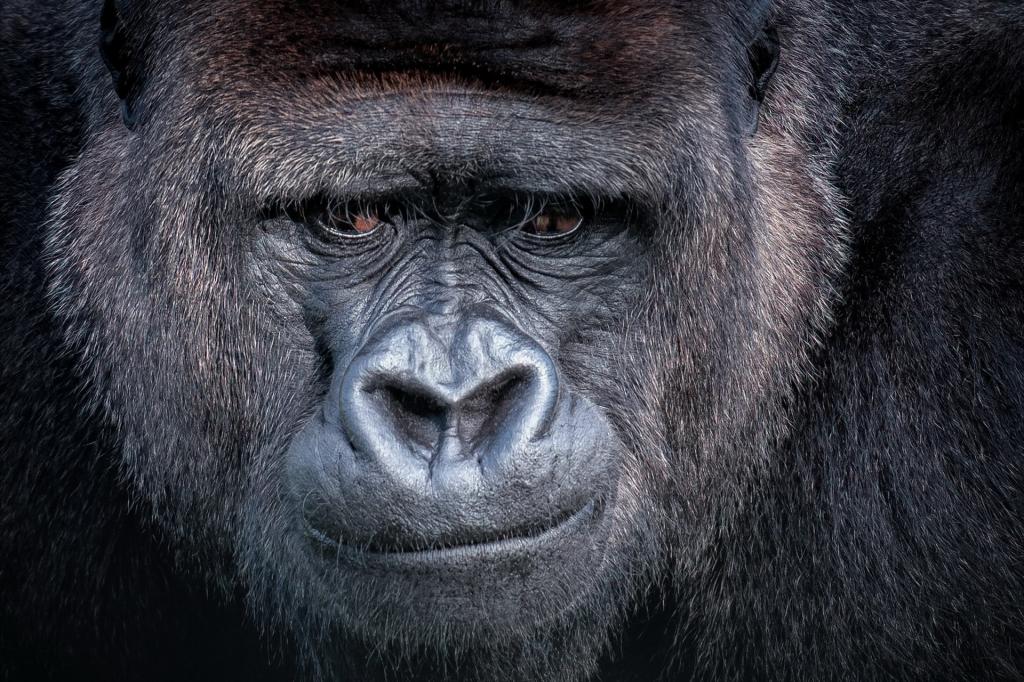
point(511, 340)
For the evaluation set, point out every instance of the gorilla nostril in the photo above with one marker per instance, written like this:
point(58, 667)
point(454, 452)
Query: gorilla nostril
point(419, 417)
point(489, 406)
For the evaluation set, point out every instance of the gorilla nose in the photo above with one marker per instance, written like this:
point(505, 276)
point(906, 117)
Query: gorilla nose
point(457, 403)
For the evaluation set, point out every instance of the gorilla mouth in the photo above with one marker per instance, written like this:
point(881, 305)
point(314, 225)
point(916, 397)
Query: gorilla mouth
point(526, 538)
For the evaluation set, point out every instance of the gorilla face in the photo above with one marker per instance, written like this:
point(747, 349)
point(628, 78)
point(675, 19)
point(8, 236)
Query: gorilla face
point(423, 327)
point(456, 457)
point(457, 453)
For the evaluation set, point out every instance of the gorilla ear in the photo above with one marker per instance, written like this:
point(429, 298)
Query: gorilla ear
point(764, 59)
point(116, 50)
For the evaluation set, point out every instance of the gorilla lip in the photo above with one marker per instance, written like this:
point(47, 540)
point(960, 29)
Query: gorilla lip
point(508, 543)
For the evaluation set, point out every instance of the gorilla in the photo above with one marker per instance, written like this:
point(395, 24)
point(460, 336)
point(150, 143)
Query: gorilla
point(512, 340)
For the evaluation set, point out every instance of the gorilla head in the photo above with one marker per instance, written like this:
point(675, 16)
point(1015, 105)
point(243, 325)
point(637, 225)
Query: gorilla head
point(447, 331)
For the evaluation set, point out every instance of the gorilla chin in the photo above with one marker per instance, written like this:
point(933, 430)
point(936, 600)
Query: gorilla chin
point(472, 591)
point(451, 468)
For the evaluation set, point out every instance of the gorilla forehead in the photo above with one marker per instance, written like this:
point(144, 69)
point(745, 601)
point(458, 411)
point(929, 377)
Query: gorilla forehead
point(543, 96)
point(398, 141)
point(568, 46)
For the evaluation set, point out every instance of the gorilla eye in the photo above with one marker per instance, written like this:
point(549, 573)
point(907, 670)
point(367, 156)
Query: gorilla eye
point(345, 220)
point(553, 222)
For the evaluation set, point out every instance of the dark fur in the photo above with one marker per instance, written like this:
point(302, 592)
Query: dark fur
point(822, 394)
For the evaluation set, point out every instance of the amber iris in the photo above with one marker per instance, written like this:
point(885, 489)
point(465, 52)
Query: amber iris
point(553, 224)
